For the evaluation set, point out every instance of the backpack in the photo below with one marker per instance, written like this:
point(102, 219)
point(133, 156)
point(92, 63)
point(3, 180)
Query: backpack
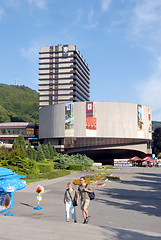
point(91, 195)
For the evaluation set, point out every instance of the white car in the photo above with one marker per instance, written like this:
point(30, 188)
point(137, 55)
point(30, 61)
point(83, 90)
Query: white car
point(1, 142)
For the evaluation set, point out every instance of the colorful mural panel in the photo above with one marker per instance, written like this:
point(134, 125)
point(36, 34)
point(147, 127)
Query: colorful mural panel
point(140, 117)
point(149, 120)
point(91, 119)
point(69, 120)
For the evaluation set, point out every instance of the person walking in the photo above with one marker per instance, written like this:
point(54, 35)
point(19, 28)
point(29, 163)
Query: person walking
point(70, 198)
point(83, 193)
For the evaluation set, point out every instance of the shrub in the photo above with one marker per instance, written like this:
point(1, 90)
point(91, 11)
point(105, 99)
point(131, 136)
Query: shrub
point(81, 159)
point(109, 167)
point(13, 168)
point(23, 165)
point(78, 167)
point(45, 167)
point(61, 162)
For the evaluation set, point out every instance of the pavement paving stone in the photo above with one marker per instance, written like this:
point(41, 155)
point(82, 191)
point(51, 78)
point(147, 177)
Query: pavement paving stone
point(130, 209)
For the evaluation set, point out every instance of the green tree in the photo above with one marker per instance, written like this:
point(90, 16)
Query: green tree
point(31, 152)
point(40, 153)
point(22, 142)
point(54, 150)
point(3, 115)
point(19, 147)
point(14, 153)
point(51, 150)
point(46, 151)
point(156, 144)
point(4, 154)
point(159, 155)
point(15, 145)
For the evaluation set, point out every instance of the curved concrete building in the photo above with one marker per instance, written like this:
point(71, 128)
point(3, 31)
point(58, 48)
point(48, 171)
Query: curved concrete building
point(98, 129)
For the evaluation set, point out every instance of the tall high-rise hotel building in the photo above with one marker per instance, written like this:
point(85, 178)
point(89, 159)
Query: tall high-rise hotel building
point(63, 76)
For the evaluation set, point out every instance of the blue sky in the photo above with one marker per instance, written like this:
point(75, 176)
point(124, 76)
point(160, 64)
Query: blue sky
point(120, 40)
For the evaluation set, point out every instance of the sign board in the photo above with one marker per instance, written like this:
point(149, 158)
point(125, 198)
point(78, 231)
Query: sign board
point(121, 163)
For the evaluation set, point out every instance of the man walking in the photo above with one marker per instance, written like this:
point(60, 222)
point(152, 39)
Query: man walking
point(83, 193)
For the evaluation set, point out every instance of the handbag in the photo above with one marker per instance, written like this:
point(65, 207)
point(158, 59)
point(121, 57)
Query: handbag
point(75, 203)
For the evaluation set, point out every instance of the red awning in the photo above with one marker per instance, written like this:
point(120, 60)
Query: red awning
point(148, 159)
point(135, 159)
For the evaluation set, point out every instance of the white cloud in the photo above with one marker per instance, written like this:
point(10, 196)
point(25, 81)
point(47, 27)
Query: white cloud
point(1, 12)
point(145, 31)
point(72, 25)
point(31, 54)
point(92, 23)
point(105, 4)
point(39, 3)
point(91, 15)
point(146, 23)
point(150, 89)
point(13, 3)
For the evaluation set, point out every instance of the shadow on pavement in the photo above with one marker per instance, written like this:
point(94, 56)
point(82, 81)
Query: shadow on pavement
point(27, 205)
point(146, 200)
point(130, 235)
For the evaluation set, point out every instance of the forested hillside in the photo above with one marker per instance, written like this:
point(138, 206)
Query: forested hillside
point(18, 104)
point(155, 124)
point(21, 104)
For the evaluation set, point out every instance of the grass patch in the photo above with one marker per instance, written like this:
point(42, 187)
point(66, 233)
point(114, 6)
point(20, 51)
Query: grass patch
point(105, 167)
point(56, 173)
point(109, 167)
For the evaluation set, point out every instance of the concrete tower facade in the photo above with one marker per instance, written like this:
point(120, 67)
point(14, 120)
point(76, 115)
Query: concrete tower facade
point(64, 75)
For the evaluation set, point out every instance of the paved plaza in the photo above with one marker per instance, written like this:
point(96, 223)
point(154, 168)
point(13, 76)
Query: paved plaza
point(128, 209)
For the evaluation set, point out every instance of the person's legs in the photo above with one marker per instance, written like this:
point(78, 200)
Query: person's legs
point(85, 215)
point(67, 207)
point(85, 212)
point(84, 206)
point(73, 212)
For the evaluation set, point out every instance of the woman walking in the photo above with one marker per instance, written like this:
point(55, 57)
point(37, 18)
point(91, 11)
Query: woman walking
point(70, 197)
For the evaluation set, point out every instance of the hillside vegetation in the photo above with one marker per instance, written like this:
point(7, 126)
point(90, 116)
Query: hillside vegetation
point(18, 104)
point(21, 104)
point(155, 124)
